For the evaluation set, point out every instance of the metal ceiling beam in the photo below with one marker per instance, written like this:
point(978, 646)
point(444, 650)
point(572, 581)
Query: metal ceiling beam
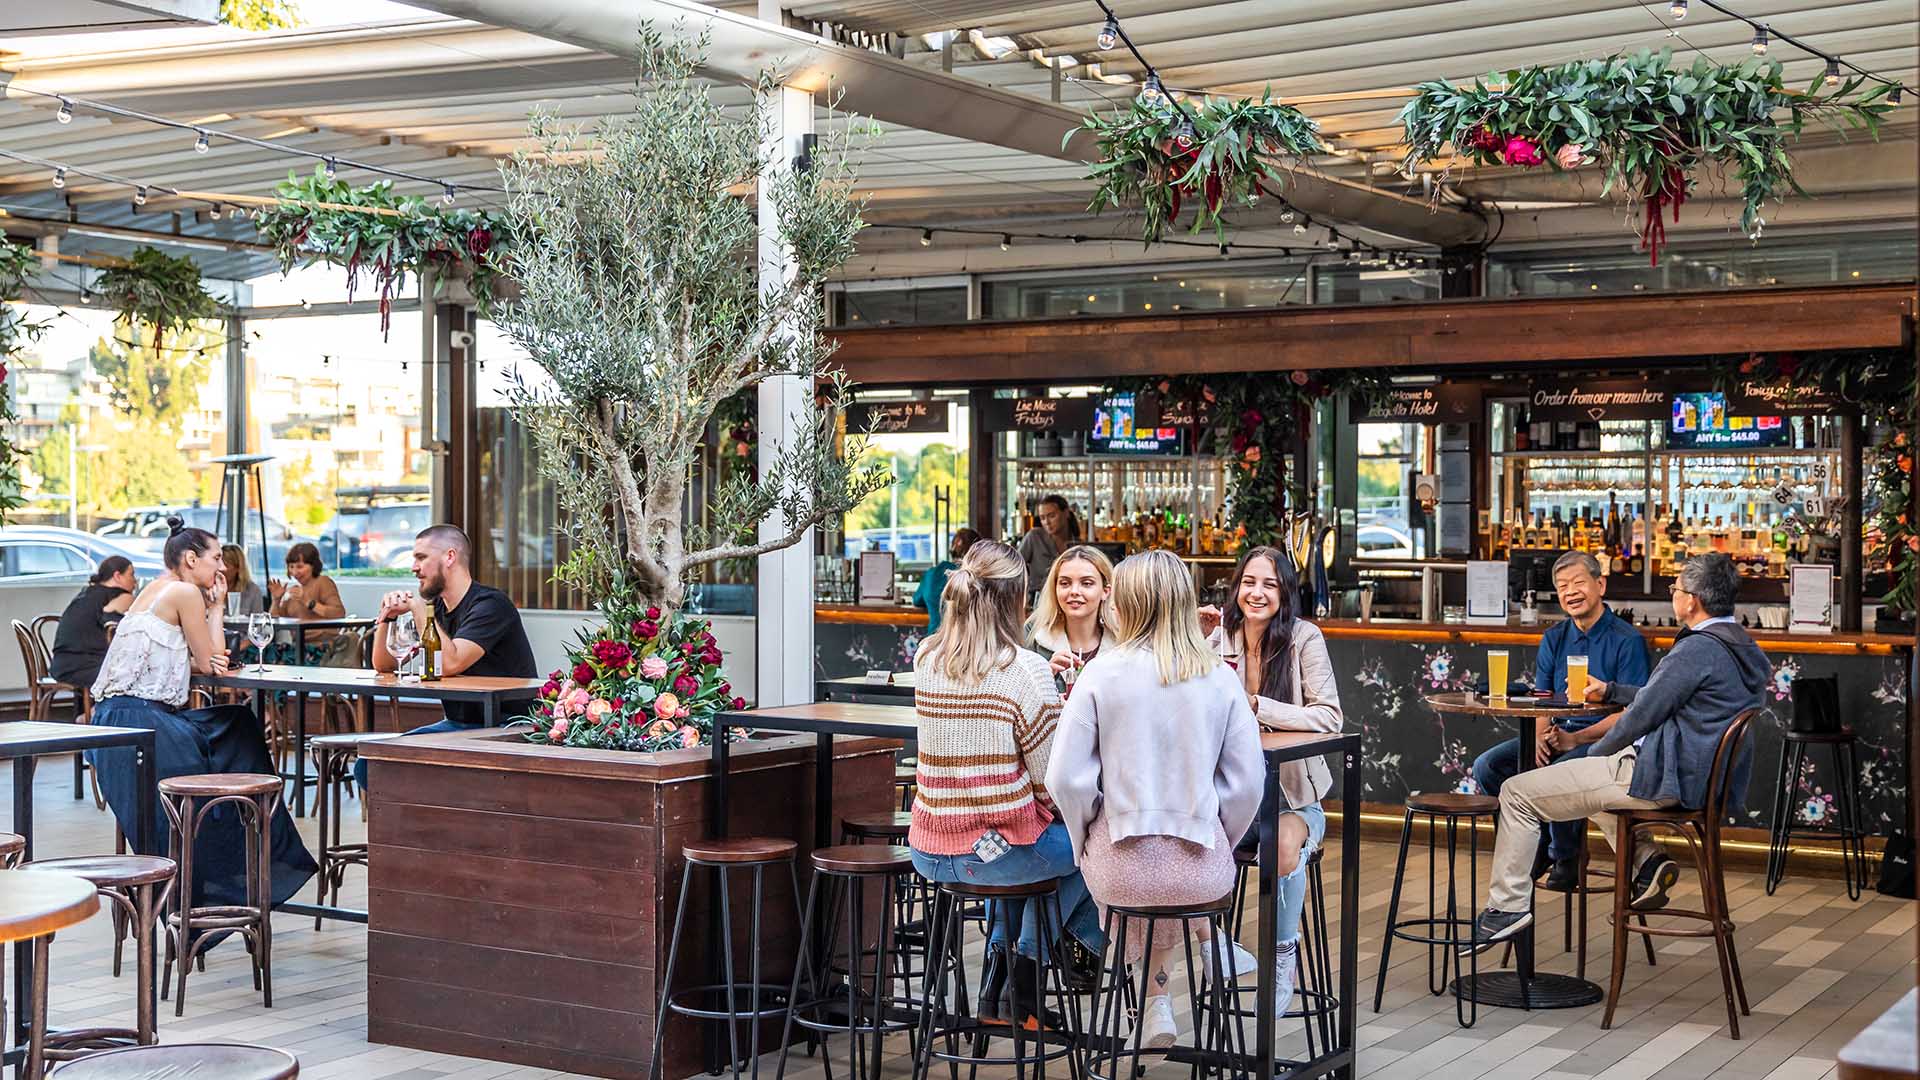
point(899, 92)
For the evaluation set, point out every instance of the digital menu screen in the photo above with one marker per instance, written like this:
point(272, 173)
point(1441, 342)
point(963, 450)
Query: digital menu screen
point(1114, 431)
point(1701, 421)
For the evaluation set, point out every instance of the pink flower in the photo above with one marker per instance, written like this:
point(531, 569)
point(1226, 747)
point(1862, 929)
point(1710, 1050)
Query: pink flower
point(558, 731)
point(659, 728)
point(612, 654)
point(1522, 151)
point(666, 706)
point(598, 708)
point(686, 685)
point(576, 701)
point(653, 667)
point(689, 736)
point(742, 449)
point(739, 703)
point(1253, 454)
point(653, 613)
point(1569, 156)
point(1299, 378)
point(646, 631)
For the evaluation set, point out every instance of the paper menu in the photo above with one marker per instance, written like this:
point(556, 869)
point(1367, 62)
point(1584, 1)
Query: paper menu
point(876, 577)
point(1487, 592)
point(1810, 599)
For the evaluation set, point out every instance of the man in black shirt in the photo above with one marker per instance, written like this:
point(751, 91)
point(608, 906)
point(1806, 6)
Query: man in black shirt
point(480, 630)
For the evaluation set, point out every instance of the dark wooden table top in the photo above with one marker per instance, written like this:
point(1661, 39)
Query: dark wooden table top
point(25, 738)
point(835, 717)
point(287, 622)
point(366, 682)
point(1468, 703)
point(1282, 746)
point(35, 905)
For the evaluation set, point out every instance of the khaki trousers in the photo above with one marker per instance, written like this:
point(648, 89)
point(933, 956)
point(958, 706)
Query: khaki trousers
point(1564, 791)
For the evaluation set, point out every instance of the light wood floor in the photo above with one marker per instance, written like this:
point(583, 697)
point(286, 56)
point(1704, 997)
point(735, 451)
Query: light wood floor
point(1818, 968)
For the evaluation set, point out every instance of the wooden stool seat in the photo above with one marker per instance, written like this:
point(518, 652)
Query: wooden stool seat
point(345, 739)
point(219, 785)
point(1217, 907)
point(1024, 889)
point(863, 859)
point(882, 825)
point(110, 871)
point(740, 849)
point(201, 1061)
point(1453, 804)
point(1845, 736)
point(906, 774)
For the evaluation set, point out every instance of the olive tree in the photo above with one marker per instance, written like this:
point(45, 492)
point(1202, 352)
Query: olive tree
point(642, 298)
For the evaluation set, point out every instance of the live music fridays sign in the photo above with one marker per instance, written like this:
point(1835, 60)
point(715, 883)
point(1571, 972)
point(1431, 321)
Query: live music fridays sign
point(1440, 403)
point(886, 417)
point(1039, 414)
point(1573, 398)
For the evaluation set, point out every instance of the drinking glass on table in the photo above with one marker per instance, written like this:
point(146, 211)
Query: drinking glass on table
point(1576, 678)
point(403, 641)
point(1497, 675)
point(260, 633)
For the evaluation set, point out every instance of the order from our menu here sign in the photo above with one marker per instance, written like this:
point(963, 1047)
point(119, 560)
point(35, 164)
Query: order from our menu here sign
point(1573, 398)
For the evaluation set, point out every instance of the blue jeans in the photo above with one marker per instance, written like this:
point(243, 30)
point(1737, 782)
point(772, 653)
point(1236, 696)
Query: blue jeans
point(1502, 763)
point(438, 727)
point(1050, 856)
point(1293, 886)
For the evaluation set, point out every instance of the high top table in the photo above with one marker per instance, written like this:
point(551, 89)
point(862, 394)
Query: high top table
point(32, 908)
point(1523, 987)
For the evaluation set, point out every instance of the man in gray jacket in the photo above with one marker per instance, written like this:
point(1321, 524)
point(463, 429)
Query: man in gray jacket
point(1659, 752)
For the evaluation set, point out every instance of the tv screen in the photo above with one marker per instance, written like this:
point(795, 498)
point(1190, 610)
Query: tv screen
point(1700, 421)
point(1114, 431)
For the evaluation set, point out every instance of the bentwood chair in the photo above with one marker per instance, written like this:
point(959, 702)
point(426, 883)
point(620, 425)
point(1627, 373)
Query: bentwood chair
point(1701, 830)
point(44, 691)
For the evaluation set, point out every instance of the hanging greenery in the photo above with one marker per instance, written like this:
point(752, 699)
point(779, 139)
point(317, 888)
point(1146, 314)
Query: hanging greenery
point(1233, 151)
point(156, 290)
point(1255, 418)
point(1647, 124)
point(17, 263)
point(1881, 385)
point(308, 226)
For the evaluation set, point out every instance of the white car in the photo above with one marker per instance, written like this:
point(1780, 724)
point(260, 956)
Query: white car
point(1382, 542)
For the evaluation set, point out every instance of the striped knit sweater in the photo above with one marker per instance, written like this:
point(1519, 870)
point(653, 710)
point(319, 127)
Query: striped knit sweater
point(983, 756)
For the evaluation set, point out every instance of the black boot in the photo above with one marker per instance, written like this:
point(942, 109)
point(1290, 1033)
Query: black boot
point(1084, 966)
point(992, 1008)
point(1027, 993)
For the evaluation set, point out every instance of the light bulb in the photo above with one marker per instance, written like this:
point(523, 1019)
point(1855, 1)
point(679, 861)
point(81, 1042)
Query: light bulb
point(1833, 72)
point(1224, 252)
point(1299, 228)
point(1286, 216)
point(447, 195)
point(1893, 95)
point(1109, 34)
point(306, 305)
point(926, 237)
point(86, 297)
point(140, 195)
point(60, 177)
point(1006, 242)
point(1151, 91)
point(1183, 135)
point(1678, 9)
point(1760, 39)
point(65, 115)
point(329, 167)
point(200, 143)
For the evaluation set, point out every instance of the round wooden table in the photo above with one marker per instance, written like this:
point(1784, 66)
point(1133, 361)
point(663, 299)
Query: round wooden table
point(33, 907)
point(1523, 987)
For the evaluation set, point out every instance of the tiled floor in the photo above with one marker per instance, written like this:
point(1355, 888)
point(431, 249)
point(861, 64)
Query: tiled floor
point(1818, 968)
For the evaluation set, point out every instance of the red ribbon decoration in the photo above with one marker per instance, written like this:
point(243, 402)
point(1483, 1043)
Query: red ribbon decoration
point(1667, 189)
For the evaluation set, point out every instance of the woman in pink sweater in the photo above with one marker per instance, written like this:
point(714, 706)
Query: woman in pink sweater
point(981, 814)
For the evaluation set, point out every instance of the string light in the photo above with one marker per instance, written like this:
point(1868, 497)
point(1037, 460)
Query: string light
point(1299, 228)
point(140, 195)
point(926, 237)
point(306, 305)
point(1109, 34)
point(1286, 216)
point(1678, 10)
point(447, 194)
point(65, 115)
point(329, 167)
point(1151, 91)
point(200, 143)
point(1894, 95)
point(1760, 39)
point(1006, 241)
point(1183, 134)
point(1833, 71)
point(86, 297)
point(60, 177)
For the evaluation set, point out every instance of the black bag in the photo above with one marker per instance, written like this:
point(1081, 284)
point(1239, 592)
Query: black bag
point(1816, 705)
point(1896, 867)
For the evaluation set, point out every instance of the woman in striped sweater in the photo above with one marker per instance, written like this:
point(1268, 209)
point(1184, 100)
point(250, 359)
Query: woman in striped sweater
point(981, 814)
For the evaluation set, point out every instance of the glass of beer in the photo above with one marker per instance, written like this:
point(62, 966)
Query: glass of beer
point(1576, 678)
point(1497, 674)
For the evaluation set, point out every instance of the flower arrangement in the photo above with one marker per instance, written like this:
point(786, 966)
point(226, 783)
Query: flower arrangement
point(647, 680)
point(158, 290)
point(1220, 152)
point(1648, 124)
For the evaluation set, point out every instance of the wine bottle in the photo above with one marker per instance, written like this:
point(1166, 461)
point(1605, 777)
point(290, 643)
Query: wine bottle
point(430, 652)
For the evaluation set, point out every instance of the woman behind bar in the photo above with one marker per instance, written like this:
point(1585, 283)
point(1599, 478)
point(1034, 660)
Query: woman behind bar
point(1283, 666)
point(172, 633)
point(1069, 626)
point(1156, 768)
point(987, 711)
point(1056, 531)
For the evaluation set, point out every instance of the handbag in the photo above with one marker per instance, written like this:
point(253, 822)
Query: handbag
point(1816, 705)
point(348, 649)
point(1896, 867)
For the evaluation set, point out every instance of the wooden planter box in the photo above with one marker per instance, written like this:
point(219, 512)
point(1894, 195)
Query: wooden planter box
point(521, 897)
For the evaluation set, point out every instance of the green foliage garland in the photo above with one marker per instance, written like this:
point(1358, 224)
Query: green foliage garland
point(17, 264)
point(1648, 124)
point(1256, 416)
point(455, 242)
point(1238, 149)
point(156, 290)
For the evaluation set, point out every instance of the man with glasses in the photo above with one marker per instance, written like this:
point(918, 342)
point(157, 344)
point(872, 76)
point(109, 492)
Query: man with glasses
point(1615, 652)
point(1658, 753)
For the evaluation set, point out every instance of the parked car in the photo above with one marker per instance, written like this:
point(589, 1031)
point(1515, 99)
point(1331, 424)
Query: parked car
point(50, 555)
point(1383, 542)
point(375, 527)
point(144, 528)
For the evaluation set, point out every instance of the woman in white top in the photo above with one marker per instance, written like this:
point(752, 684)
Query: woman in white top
point(1070, 624)
point(1156, 767)
point(172, 632)
point(1283, 667)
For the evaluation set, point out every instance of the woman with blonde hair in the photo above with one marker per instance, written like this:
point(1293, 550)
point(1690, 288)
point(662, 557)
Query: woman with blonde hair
point(1070, 624)
point(987, 711)
point(243, 591)
point(1156, 768)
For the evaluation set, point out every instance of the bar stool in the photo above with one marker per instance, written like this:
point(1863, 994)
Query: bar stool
point(1213, 996)
point(755, 853)
point(137, 886)
point(1315, 1005)
point(1701, 830)
point(201, 1061)
point(13, 847)
point(905, 776)
point(844, 873)
point(1592, 880)
point(191, 928)
point(1846, 800)
point(1453, 808)
point(32, 908)
point(333, 759)
point(912, 894)
point(940, 1030)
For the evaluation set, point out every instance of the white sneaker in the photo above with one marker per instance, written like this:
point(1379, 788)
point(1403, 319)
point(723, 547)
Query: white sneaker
point(1157, 1029)
point(1286, 968)
point(1235, 962)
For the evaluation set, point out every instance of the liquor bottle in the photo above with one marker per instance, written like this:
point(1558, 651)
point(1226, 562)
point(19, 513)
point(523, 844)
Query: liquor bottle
point(1556, 531)
point(1613, 523)
point(1637, 533)
point(1722, 537)
point(1521, 436)
point(1675, 531)
point(430, 652)
point(1749, 532)
point(1636, 565)
point(1662, 552)
point(1598, 536)
point(1779, 533)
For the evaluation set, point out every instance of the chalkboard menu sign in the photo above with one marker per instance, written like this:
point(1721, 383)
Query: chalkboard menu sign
point(1151, 411)
point(1590, 400)
point(1749, 397)
point(888, 417)
point(1440, 403)
point(1039, 414)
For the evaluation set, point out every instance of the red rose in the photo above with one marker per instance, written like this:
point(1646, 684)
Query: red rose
point(1523, 152)
point(1250, 418)
point(726, 688)
point(582, 673)
point(685, 686)
point(618, 703)
point(646, 631)
point(739, 703)
point(653, 613)
point(1480, 138)
point(479, 241)
point(1240, 442)
point(1299, 378)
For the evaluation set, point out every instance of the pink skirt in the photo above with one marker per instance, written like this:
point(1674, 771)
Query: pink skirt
point(1155, 871)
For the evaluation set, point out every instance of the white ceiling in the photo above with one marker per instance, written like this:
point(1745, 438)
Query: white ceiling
point(97, 16)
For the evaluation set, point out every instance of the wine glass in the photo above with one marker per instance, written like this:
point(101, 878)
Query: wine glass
point(403, 640)
point(260, 633)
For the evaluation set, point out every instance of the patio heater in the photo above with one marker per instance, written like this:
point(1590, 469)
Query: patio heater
point(235, 469)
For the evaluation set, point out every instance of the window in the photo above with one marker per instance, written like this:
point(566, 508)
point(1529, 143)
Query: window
point(899, 307)
point(1844, 258)
point(32, 559)
point(1388, 457)
point(1147, 292)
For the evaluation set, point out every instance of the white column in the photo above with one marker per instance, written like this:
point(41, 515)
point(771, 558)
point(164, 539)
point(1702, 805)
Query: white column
point(783, 630)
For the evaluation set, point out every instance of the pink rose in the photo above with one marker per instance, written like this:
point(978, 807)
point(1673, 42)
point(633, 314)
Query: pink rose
point(1569, 155)
point(1253, 454)
point(739, 703)
point(598, 708)
point(1523, 152)
point(689, 736)
point(1299, 378)
point(666, 706)
point(558, 731)
point(653, 613)
point(576, 701)
point(659, 728)
point(653, 667)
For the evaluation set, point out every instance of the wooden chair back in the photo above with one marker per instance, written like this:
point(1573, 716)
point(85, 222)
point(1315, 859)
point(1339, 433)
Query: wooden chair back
point(31, 654)
point(43, 638)
point(1726, 758)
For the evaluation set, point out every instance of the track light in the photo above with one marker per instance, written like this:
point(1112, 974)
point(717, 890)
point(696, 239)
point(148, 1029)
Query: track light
point(1183, 134)
point(1151, 91)
point(447, 194)
point(200, 143)
point(60, 177)
point(140, 195)
point(1006, 241)
point(1109, 34)
point(1833, 71)
point(65, 115)
point(1678, 9)
point(926, 237)
point(1760, 39)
